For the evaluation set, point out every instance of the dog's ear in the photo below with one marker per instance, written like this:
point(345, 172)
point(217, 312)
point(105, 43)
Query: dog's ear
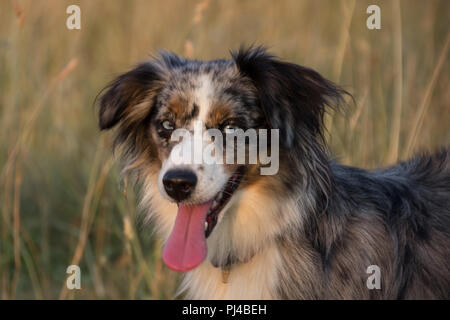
point(126, 91)
point(293, 98)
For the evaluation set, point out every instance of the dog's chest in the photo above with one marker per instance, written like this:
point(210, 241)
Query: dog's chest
point(256, 279)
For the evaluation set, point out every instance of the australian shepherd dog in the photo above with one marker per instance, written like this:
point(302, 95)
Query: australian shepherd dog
point(315, 229)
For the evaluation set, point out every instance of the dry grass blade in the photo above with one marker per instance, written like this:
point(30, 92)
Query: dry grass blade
point(33, 115)
point(16, 234)
point(344, 38)
point(95, 184)
point(418, 121)
point(199, 10)
point(19, 13)
point(393, 150)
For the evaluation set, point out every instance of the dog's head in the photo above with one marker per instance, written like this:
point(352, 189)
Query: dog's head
point(253, 90)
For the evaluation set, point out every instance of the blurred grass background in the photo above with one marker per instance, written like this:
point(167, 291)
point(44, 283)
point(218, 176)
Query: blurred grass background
point(61, 197)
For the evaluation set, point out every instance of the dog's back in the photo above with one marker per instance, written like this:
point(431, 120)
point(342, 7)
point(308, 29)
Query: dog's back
point(397, 219)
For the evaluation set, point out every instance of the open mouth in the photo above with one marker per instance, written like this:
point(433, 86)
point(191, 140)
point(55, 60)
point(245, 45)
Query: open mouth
point(221, 199)
point(186, 247)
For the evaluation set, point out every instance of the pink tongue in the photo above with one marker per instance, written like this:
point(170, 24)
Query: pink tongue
point(186, 247)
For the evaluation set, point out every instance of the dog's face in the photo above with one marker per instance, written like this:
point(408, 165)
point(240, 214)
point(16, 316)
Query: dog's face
point(209, 96)
point(252, 91)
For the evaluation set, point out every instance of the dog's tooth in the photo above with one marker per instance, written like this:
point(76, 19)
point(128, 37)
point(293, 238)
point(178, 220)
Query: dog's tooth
point(214, 204)
point(219, 196)
point(206, 225)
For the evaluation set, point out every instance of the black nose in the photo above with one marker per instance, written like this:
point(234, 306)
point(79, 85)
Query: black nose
point(179, 184)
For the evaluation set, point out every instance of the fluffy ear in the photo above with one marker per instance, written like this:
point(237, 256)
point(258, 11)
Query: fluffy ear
point(293, 98)
point(126, 91)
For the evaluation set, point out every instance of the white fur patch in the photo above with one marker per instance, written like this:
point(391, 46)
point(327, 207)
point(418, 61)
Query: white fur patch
point(203, 95)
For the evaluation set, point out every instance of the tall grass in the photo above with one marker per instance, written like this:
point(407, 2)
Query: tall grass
point(62, 201)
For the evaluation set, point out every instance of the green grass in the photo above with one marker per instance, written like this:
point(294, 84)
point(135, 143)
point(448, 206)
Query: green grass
point(61, 197)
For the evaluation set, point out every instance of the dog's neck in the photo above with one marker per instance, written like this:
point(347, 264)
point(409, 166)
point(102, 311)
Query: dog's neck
point(256, 279)
point(228, 266)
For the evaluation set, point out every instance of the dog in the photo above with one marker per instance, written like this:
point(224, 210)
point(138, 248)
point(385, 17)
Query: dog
point(313, 230)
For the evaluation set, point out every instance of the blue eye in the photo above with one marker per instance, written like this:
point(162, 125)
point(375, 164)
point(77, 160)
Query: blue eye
point(167, 125)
